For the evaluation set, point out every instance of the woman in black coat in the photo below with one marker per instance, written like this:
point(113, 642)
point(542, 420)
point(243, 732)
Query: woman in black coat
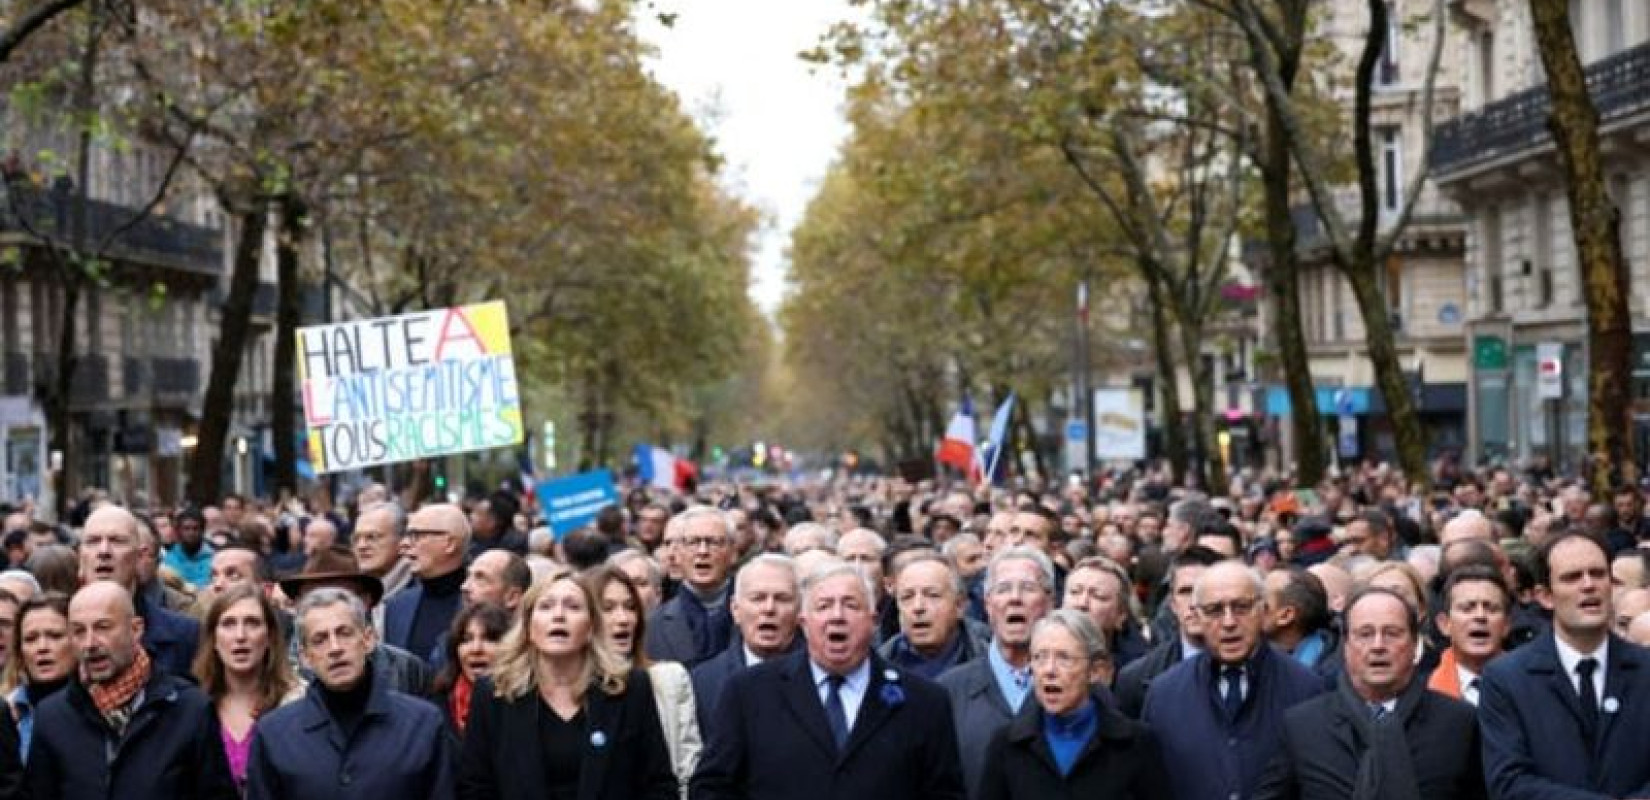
point(1071, 743)
point(562, 718)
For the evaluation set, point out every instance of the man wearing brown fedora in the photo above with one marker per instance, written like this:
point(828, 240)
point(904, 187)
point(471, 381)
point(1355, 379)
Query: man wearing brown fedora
point(335, 567)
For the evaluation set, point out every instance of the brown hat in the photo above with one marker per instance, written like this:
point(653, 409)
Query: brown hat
point(334, 566)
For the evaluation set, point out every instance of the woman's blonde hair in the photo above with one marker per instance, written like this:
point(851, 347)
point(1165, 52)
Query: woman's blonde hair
point(515, 672)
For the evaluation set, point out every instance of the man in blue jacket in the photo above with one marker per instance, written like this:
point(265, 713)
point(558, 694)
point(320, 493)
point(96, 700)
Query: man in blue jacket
point(1219, 716)
point(1568, 714)
point(125, 729)
point(351, 736)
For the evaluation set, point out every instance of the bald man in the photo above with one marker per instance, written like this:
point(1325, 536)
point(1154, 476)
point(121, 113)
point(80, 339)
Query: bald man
point(435, 545)
point(109, 550)
point(1469, 524)
point(161, 730)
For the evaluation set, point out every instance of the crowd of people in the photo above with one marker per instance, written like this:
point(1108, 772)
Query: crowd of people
point(861, 638)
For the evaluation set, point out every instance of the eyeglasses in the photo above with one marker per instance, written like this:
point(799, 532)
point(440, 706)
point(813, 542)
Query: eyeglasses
point(1016, 587)
point(1064, 661)
point(1368, 635)
point(417, 534)
point(707, 542)
point(1239, 608)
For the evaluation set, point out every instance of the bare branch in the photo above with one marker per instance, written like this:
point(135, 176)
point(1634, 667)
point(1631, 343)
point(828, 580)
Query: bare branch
point(33, 20)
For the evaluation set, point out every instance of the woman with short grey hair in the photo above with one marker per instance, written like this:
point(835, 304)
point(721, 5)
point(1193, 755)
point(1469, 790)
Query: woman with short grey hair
point(1071, 742)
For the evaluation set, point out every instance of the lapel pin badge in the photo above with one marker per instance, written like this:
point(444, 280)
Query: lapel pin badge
point(1611, 705)
point(598, 739)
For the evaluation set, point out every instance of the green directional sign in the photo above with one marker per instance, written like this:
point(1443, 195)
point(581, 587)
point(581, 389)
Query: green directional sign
point(1489, 352)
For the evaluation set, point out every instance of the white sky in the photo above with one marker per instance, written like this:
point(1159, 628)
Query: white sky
point(776, 118)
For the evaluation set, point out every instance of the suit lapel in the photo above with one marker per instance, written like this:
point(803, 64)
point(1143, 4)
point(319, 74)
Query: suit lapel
point(802, 699)
point(873, 712)
point(1619, 678)
point(679, 631)
point(985, 682)
point(519, 722)
point(603, 717)
point(1544, 663)
point(400, 624)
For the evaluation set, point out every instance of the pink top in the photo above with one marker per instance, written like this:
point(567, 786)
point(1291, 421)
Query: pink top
point(237, 751)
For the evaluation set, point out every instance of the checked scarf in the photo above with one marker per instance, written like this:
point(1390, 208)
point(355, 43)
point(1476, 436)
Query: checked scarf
point(114, 696)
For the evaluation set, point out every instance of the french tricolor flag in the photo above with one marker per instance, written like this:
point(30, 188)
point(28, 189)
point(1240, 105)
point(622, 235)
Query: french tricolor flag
point(656, 466)
point(957, 448)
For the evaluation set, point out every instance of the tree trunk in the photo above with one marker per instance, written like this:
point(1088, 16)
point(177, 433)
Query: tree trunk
point(1163, 347)
point(1597, 225)
point(1212, 470)
point(218, 409)
point(1407, 431)
point(1283, 273)
point(59, 423)
point(284, 384)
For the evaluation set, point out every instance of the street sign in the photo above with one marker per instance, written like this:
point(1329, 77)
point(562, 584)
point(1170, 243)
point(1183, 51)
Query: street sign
point(1347, 442)
point(1489, 352)
point(1549, 370)
point(1076, 430)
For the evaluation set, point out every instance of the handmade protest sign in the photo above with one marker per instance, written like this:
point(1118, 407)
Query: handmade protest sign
point(419, 385)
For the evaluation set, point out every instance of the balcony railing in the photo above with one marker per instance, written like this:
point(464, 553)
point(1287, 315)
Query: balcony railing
point(1619, 85)
point(153, 239)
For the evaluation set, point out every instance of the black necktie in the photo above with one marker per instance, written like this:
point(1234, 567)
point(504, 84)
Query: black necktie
point(835, 713)
point(1232, 700)
point(1589, 697)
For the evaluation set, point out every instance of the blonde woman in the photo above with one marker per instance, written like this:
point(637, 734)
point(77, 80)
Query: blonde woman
point(562, 715)
point(626, 625)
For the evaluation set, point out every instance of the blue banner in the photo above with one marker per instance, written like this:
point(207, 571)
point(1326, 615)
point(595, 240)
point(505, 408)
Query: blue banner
point(572, 502)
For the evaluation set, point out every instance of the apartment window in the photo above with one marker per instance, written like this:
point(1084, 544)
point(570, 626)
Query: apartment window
point(1391, 166)
point(1394, 286)
point(1543, 252)
point(1337, 310)
point(1615, 28)
point(1386, 73)
point(1490, 251)
point(1486, 67)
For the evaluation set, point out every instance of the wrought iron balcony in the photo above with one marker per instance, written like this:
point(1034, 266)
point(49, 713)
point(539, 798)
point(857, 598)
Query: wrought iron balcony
point(154, 239)
point(1619, 85)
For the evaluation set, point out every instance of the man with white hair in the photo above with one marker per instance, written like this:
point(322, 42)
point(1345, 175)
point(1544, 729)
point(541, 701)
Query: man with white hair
point(435, 543)
point(696, 624)
point(810, 536)
point(1219, 715)
point(832, 720)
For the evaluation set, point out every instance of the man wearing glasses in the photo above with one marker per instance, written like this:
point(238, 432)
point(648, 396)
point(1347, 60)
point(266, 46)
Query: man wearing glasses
point(436, 541)
point(1223, 710)
point(696, 624)
point(987, 692)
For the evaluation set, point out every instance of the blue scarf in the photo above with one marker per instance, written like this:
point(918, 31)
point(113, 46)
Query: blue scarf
point(1066, 734)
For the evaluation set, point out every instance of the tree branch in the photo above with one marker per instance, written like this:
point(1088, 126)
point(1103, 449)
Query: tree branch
point(33, 20)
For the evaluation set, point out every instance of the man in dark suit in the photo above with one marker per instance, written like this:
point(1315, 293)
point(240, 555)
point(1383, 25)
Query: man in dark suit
point(1219, 715)
point(987, 693)
point(834, 722)
point(436, 542)
point(696, 624)
point(1134, 679)
point(766, 598)
point(1567, 715)
point(1382, 733)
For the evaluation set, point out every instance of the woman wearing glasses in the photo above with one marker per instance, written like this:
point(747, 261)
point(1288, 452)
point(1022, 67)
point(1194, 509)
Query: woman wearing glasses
point(562, 715)
point(1071, 743)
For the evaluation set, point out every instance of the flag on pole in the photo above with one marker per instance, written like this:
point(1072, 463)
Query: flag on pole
point(656, 466)
point(996, 437)
point(957, 448)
